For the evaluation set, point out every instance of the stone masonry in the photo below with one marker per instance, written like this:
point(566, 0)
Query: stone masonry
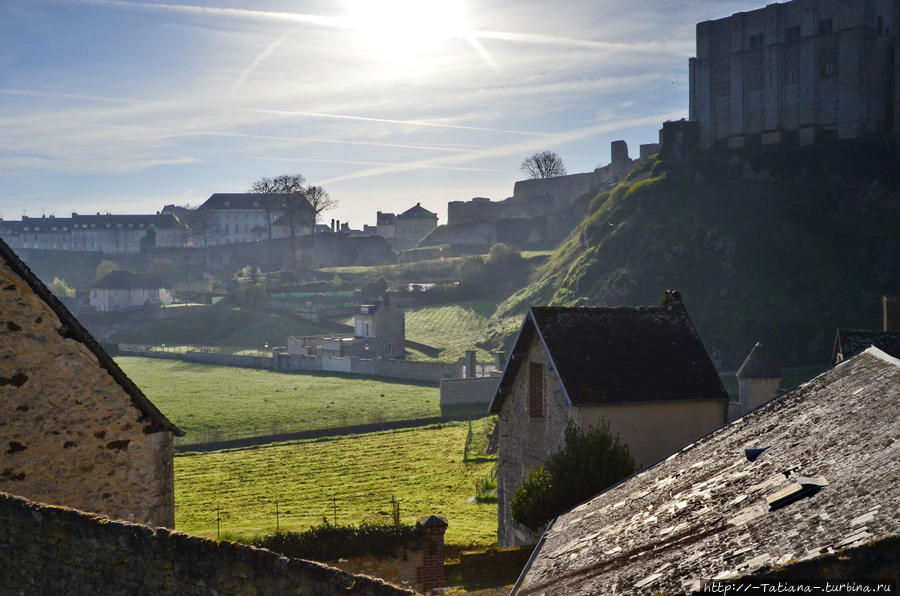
point(74, 430)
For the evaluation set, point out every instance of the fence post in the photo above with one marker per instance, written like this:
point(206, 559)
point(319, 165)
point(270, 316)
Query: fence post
point(430, 576)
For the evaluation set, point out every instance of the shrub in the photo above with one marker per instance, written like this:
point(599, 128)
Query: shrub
point(591, 461)
point(327, 542)
point(61, 288)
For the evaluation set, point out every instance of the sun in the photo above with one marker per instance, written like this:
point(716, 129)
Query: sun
point(405, 30)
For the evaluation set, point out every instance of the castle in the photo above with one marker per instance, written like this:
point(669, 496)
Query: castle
point(798, 72)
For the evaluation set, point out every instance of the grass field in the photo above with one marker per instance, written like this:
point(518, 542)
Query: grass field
point(453, 328)
point(211, 402)
point(354, 476)
point(222, 325)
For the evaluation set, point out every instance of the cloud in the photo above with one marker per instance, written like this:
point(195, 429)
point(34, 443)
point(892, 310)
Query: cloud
point(374, 163)
point(268, 51)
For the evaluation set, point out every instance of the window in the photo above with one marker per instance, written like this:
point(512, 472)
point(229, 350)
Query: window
point(792, 34)
point(756, 41)
point(535, 389)
point(367, 330)
point(389, 349)
point(826, 26)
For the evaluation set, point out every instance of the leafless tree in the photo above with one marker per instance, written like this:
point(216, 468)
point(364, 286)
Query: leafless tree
point(200, 222)
point(544, 164)
point(320, 200)
point(294, 202)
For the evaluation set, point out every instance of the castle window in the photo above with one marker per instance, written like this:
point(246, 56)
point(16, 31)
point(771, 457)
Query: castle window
point(792, 34)
point(535, 389)
point(756, 41)
point(826, 26)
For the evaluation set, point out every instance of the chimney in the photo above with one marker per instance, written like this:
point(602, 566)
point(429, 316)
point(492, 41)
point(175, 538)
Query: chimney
point(891, 308)
point(332, 224)
point(470, 364)
point(386, 299)
point(672, 298)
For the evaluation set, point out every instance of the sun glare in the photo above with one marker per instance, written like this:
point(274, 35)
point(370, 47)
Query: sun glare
point(404, 30)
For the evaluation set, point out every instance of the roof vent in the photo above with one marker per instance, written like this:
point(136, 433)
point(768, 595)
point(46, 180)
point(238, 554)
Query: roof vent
point(752, 454)
point(804, 487)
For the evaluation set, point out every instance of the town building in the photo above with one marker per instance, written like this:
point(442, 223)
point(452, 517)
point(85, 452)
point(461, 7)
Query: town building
point(125, 290)
point(850, 342)
point(113, 234)
point(758, 380)
point(75, 430)
point(248, 217)
point(406, 229)
point(644, 371)
point(795, 72)
point(803, 488)
point(380, 329)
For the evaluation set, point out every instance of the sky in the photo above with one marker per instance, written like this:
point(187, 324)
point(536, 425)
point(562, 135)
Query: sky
point(125, 106)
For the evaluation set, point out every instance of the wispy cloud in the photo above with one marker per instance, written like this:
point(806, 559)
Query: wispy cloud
point(47, 94)
point(268, 51)
point(519, 148)
point(374, 163)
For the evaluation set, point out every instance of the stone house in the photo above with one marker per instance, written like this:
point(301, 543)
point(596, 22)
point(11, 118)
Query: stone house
point(380, 330)
point(74, 429)
point(644, 371)
point(796, 71)
point(124, 290)
point(406, 229)
point(850, 342)
point(803, 488)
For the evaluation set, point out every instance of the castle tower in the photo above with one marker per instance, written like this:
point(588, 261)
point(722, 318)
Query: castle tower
point(758, 379)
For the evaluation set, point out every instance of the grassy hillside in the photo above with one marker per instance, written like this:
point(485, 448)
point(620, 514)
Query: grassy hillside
point(781, 248)
point(222, 325)
point(221, 402)
point(354, 476)
point(453, 328)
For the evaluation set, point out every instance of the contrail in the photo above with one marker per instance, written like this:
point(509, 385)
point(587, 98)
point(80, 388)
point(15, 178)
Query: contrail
point(27, 93)
point(242, 78)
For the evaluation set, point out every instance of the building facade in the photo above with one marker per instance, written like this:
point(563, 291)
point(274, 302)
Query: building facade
point(798, 71)
point(111, 234)
point(247, 217)
point(380, 330)
point(75, 430)
point(644, 372)
point(124, 290)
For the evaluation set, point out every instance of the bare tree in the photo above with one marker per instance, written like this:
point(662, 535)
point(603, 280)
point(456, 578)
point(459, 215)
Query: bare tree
point(320, 200)
point(200, 222)
point(544, 164)
point(293, 202)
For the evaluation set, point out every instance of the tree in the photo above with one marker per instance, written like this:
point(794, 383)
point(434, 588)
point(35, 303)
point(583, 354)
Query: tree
point(61, 288)
point(104, 268)
point(544, 164)
point(295, 203)
point(320, 200)
point(199, 221)
point(590, 462)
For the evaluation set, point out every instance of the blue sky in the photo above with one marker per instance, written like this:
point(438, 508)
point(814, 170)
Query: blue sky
point(125, 106)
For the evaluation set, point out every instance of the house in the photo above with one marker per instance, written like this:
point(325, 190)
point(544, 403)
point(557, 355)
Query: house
point(74, 429)
point(114, 234)
point(804, 487)
point(642, 370)
point(380, 329)
point(850, 342)
point(124, 290)
point(239, 217)
point(794, 72)
point(758, 380)
point(406, 229)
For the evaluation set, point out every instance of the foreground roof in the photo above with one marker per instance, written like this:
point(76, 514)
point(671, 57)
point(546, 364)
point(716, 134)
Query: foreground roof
point(615, 355)
point(826, 481)
point(71, 328)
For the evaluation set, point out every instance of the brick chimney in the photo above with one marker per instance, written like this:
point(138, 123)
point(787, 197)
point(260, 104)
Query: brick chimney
point(891, 308)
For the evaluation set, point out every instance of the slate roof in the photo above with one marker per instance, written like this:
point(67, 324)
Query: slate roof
point(418, 212)
point(758, 365)
point(77, 222)
point(616, 355)
point(703, 513)
point(850, 342)
point(243, 200)
point(70, 327)
point(126, 280)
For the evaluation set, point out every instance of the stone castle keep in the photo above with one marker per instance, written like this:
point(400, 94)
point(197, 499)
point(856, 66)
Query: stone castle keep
point(797, 72)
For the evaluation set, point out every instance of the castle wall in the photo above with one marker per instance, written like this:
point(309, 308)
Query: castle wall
point(56, 550)
point(69, 432)
point(807, 67)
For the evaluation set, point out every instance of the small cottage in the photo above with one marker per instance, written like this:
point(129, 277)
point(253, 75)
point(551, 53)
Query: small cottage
point(644, 371)
point(74, 429)
point(380, 330)
point(124, 290)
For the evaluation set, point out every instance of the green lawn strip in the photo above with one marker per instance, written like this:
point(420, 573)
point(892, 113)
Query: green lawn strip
point(204, 399)
point(356, 475)
point(454, 328)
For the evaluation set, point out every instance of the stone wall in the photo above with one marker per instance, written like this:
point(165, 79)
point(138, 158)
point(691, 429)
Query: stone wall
point(69, 431)
point(231, 360)
point(56, 550)
point(479, 390)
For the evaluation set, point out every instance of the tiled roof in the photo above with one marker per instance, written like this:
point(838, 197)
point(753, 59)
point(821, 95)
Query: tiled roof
point(615, 355)
point(73, 329)
point(709, 512)
point(758, 365)
point(417, 211)
point(850, 342)
point(126, 280)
